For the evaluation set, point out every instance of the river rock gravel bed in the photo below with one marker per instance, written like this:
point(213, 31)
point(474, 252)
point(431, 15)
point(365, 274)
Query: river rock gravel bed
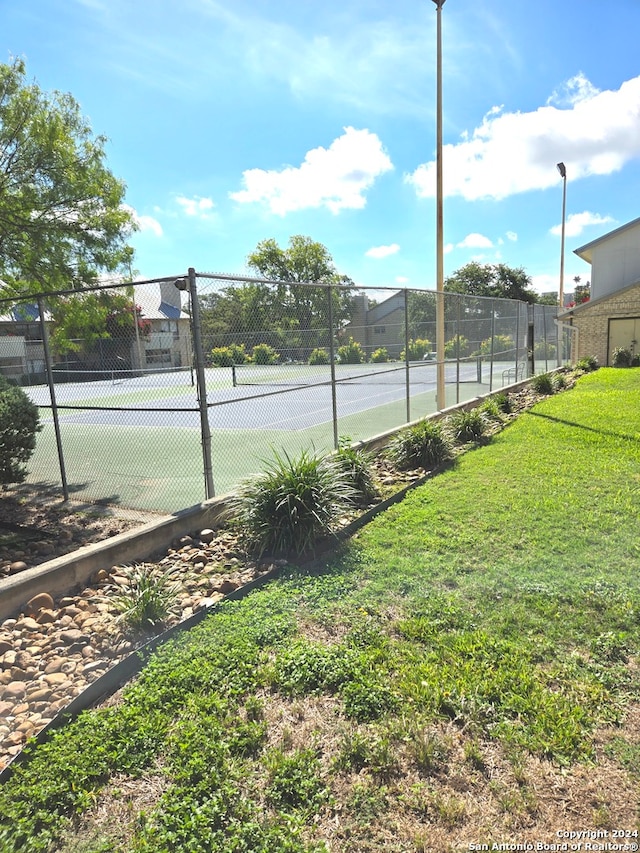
point(53, 649)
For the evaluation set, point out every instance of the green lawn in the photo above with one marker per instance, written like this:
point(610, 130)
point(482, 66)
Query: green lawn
point(462, 672)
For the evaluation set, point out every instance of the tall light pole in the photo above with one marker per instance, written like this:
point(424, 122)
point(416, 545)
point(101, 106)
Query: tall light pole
point(440, 389)
point(563, 174)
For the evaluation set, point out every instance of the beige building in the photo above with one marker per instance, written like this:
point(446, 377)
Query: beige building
point(167, 343)
point(611, 318)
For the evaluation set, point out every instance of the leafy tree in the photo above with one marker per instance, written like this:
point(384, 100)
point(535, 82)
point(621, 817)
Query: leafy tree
point(496, 280)
point(62, 219)
point(19, 423)
point(79, 322)
point(288, 314)
point(304, 261)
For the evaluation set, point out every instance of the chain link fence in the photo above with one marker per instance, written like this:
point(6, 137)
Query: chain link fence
point(158, 394)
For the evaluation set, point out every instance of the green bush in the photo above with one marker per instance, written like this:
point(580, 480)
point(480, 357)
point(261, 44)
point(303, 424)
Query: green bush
point(145, 604)
point(423, 445)
point(503, 402)
point(457, 347)
point(319, 356)
point(588, 363)
point(228, 356)
point(416, 349)
point(356, 465)
point(544, 350)
point(351, 353)
point(501, 344)
point(622, 357)
point(467, 426)
point(379, 356)
point(264, 354)
point(19, 423)
point(542, 384)
point(286, 508)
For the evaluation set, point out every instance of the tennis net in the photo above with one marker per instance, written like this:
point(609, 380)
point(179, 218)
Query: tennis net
point(300, 375)
point(148, 378)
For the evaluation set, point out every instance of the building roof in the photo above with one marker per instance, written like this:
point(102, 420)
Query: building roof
point(584, 306)
point(585, 252)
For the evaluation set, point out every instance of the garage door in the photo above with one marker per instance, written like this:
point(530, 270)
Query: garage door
point(624, 333)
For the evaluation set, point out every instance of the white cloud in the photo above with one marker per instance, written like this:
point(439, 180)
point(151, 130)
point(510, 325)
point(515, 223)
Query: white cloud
point(577, 222)
point(511, 235)
point(475, 241)
point(144, 223)
point(196, 206)
point(573, 91)
point(402, 279)
point(382, 251)
point(335, 177)
point(512, 153)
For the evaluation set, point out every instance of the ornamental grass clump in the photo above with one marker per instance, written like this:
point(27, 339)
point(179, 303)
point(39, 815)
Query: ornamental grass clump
point(542, 384)
point(356, 464)
point(423, 445)
point(289, 506)
point(467, 426)
point(146, 603)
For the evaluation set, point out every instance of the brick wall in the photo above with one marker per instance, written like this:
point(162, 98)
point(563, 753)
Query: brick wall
point(592, 322)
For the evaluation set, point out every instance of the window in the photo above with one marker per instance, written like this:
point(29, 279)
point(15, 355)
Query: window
point(379, 330)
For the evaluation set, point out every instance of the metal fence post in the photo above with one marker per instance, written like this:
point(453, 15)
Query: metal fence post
point(493, 330)
point(52, 394)
point(332, 367)
point(407, 383)
point(205, 430)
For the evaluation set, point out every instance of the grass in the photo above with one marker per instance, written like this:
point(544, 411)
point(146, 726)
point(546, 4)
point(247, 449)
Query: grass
point(470, 653)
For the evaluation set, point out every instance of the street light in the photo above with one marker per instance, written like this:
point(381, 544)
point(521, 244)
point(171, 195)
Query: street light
point(440, 389)
point(563, 174)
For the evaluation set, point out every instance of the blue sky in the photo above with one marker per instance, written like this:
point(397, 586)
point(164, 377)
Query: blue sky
point(231, 121)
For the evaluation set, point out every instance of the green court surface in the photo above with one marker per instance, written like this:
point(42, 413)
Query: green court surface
point(160, 468)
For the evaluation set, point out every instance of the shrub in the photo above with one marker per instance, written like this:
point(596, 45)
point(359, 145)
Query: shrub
point(416, 349)
point(503, 402)
point(422, 445)
point(457, 347)
point(491, 410)
point(351, 353)
point(228, 356)
point(380, 355)
point(542, 384)
point(145, 604)
point(559, 381)
point(291, 504)
point(355, 463)
point(621, 357)
point(588, 363)
point(544, 349)
point(467, 426)
point(501, 344)
point(319, 356)
point(19, 423)
point(264, 354)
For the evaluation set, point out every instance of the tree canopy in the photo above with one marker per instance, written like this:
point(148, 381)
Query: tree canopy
point(496, 280)
point(62, 218)
point(287, 312)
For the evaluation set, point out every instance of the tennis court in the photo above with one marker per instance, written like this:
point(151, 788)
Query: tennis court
point(136, 438)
